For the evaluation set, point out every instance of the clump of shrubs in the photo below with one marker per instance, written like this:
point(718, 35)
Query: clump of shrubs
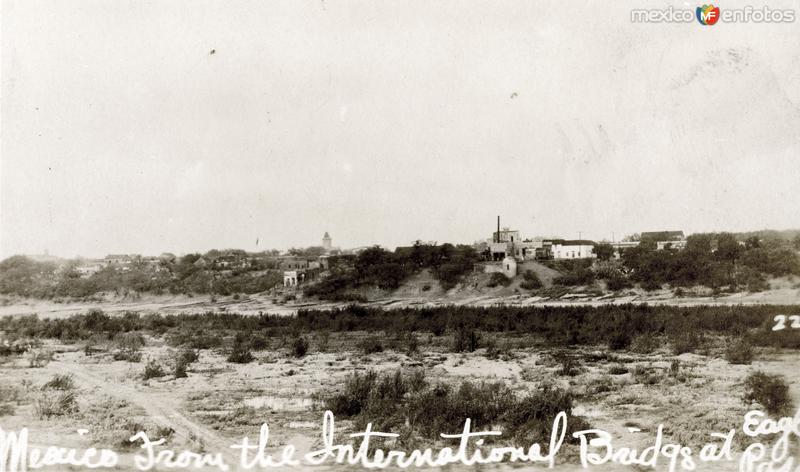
point(739, 352)
point(770, 391)
point(498, 279)
point(299, 346)
point(56, 398)
point(40, 358)
point(530, 281)
point(687, 341)
point(128, 347)
point(323, 339)
point(645, 375)
point(153, 370)
point(398, 400)
point(575, 273)
point(618, 282)
point(183, 359)
point(370, 345)
point(240, 352)
point(60, 382)
point(567, 362)
point(194, 339)
point(619, 341)
point(644, 343)
point(466, 339)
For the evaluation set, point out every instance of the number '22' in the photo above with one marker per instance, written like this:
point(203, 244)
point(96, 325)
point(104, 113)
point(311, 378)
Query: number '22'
point(780, 322)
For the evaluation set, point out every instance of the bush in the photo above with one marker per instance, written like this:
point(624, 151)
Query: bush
point(50, 403)
point(644, 343)
point(651, 285)
point(770, 391)
point(370, 345)
point(299, 346)
point(618, 282)
point(530, 281)
point(183, 359)
point(60, 382)
point(395, 401)
point(128, 347)
point(466, 339)
point(578, 273)
point(353, 399)
point(240, 352)
point(259, 342)
point(739, 352)
point(685, 342)
point(619, 341)
point(6, 409)
point(56, 397)
point(568, 364)
point(127, 355)
point(645, 375)
point(408, 343)
point(180, 370)
point(40, 358)
point(153, 370)
point(498, 279)
point(323, 339)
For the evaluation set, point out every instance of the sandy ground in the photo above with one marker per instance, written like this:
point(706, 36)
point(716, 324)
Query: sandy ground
point(410, 295)
point(220, 402)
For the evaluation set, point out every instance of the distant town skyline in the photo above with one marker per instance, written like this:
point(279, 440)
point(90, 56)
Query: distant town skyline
point(123, 133)
point(336, 247)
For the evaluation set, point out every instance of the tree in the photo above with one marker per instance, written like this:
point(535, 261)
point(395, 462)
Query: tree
point(603, 251)
point(310, 252)
point(728, 248)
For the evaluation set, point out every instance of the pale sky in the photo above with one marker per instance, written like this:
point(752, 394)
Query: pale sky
point(384, 122)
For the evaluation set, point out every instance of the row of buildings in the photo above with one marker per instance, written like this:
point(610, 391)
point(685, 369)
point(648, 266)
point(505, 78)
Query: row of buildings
point(506, 247)
point(503, 249)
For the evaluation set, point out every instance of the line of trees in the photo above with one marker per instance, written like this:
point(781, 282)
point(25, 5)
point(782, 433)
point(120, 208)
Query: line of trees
point(559, 325)
point(23, 276)
point(714, 260)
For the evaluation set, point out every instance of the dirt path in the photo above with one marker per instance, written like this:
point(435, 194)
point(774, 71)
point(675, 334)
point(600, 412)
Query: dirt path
point(164, 413)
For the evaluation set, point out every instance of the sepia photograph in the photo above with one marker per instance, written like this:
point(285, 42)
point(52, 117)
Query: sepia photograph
point(342, 235)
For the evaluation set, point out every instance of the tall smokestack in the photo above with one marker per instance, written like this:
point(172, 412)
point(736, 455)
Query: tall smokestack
point(497, 234)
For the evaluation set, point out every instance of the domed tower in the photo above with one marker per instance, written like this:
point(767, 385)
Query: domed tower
point(510, 266)
point(326, 242)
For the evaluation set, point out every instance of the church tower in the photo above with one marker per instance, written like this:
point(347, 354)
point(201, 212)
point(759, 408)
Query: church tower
point(326, 242)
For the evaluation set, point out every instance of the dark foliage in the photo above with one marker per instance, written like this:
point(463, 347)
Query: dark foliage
point(396, 400)
point(563, 325)
point(299, 346)
point(240, 352)
point(377, 267)
point(20, 275)
point(498, 279)
point(530, 281)
point(771, 391)
point(716, 260)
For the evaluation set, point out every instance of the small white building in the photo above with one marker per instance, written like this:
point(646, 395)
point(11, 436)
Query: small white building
point(561, 249)
point(661, 245)
point(292, 278)
point(510, 267)
point(88, 270)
